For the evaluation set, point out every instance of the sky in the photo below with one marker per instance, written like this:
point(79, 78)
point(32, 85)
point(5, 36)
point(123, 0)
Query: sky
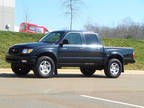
point(51, 13)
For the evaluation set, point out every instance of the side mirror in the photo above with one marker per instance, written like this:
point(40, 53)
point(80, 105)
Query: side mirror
point(64, 42)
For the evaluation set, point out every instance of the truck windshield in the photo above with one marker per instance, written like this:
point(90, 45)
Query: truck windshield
point(52, 37)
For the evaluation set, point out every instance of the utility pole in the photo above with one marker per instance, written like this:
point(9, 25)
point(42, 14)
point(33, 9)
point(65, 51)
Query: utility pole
point(72, 7)
point(71, 12)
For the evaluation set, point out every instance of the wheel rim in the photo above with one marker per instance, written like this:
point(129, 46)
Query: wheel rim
point(114, 68)
point(45, 67)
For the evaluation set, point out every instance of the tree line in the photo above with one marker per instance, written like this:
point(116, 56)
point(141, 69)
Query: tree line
point(127, 29)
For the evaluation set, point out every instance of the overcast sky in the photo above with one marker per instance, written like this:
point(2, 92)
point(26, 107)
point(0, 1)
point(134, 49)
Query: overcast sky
point(50, 13)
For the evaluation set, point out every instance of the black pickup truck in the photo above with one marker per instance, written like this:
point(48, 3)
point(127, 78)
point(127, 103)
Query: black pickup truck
point(68, 49)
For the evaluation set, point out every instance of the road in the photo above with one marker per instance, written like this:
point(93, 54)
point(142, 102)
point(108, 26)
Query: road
point(70, 89)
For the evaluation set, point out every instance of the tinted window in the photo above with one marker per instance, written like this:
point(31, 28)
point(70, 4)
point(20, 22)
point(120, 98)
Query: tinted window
point(35, 29)
point(32, 28)
point(39, 30)
point(91, 39)
point(23, 27)
point(46, 31)
point(52, 37)
point(74, 38)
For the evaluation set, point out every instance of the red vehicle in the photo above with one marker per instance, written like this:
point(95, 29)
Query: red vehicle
point(32, 28)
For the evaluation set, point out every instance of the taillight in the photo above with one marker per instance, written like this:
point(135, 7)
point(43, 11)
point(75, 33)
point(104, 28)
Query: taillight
point(133, 55)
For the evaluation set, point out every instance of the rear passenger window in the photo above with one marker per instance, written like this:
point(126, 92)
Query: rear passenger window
point(91, 39)
point(74, 38)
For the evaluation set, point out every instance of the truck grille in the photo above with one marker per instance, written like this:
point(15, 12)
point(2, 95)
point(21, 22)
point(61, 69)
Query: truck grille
point(14, 51)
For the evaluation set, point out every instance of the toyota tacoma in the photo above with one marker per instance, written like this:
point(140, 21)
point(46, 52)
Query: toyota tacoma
point(68, 49)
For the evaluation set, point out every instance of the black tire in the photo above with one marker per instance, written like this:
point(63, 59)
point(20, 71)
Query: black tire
point(111, 72)
point(20, 69)
point(45, 67)
point(87, 70)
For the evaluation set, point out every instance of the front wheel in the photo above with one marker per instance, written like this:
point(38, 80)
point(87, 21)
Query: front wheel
point(113, 69)
point(45, 67)
point(20, 69)
point(87, 70)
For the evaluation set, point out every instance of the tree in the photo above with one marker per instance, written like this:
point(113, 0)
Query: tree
point(126, 29)
point(27, 17)
point(72, 7)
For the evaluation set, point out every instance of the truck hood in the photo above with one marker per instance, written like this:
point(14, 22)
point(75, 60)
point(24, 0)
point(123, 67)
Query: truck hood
point(31, 45)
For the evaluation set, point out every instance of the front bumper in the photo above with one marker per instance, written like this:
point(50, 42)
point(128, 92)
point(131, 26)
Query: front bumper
point(21, 59)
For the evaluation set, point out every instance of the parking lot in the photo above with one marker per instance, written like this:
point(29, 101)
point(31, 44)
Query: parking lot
point(70, 89)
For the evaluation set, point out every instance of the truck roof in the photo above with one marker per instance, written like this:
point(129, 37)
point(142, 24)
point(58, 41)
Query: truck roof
point(75, 31)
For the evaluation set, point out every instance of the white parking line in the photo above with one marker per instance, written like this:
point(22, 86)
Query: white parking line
point(111, 101)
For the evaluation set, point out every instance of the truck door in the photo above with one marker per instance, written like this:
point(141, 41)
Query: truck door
point(93, 50)
point(71, 53)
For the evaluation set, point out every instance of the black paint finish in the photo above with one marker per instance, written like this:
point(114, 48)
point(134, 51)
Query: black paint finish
point(71, 54)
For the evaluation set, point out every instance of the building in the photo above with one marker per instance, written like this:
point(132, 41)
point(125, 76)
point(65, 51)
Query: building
point(7, 14)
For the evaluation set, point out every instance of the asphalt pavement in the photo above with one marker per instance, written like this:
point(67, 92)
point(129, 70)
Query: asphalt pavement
point(70, 89)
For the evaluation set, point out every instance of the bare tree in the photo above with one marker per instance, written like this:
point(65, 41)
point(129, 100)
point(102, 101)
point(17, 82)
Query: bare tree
point(126, 29)
point(27, 17)
point(72, 7)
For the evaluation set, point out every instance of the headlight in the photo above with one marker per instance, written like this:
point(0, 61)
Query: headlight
point(27, 51)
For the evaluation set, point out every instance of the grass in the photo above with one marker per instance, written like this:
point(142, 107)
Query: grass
point(8, 39)
point(138, 46)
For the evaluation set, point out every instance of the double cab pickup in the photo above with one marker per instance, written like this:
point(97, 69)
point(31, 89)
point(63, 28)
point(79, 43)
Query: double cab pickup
point(68, 49)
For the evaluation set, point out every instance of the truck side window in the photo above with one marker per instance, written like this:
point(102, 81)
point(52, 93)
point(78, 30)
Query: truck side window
point(74, 38)
point(91, 39)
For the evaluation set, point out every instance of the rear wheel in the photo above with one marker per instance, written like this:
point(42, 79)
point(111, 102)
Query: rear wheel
point(45, 67)
point(20, 69)
point(113, 69)
point(87, 70)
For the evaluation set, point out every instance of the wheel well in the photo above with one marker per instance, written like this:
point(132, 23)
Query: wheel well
point(49, 55)
point(116, 57)
point(119, 58)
